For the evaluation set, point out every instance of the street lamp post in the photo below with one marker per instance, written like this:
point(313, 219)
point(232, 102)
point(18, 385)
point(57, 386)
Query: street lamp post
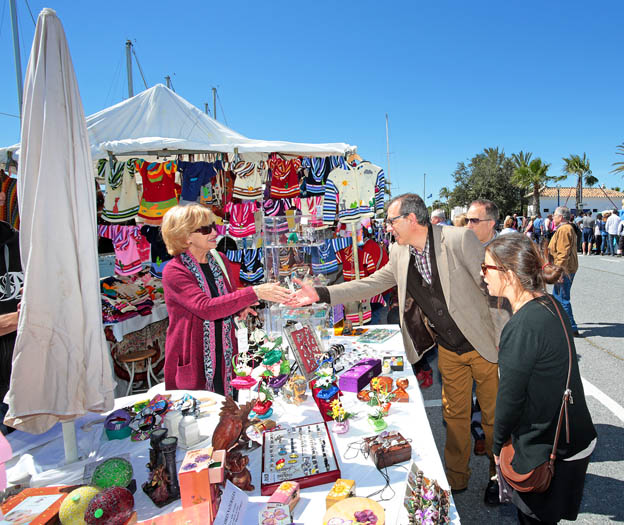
point(558, 188)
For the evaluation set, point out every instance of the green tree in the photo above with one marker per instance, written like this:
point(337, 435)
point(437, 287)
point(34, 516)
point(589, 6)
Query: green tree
point(619, 166)
point(579, 167)
point(531, 175)
point(486, 176)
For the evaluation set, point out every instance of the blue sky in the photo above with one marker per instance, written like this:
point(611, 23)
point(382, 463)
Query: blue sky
point(454, 77)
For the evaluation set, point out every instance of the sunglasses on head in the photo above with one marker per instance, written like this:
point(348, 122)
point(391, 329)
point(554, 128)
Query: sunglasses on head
point(205, 230)
point(486, 267)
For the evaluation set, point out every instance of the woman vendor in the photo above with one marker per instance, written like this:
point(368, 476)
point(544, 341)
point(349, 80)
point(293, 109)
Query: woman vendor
point(202, 300)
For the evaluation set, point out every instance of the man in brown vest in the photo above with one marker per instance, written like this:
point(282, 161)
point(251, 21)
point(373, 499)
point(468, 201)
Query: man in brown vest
point(441, 299)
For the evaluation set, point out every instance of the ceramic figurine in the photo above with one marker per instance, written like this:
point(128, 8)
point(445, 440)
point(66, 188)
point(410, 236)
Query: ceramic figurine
point(400, 393)
point(295, 390)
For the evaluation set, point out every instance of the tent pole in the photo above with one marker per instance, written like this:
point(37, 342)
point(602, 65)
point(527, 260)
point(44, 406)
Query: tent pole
point(18, 58)
point(129, 68)
point(356, 261)
point(214, 103)
point(69, 441)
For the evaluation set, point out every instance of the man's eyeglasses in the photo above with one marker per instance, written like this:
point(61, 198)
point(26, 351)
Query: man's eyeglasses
point(391, 220)
point(206, 230)
point(486, 267)
point(475, 220)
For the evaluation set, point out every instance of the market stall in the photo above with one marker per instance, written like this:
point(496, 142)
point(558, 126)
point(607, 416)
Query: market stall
point(41, 461)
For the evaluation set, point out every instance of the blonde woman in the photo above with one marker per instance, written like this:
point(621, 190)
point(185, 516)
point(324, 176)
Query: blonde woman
point(202, 300)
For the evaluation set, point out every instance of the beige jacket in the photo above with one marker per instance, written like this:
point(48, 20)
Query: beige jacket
point(562, 247)
point(459, 255)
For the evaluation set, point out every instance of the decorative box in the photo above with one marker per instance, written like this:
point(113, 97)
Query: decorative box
point(286, 494)
point(324, 404)
point(199, 475)
point(279, 515)
point(396, 362)
point(388, 448)
point(359, 375)
point(196, 514)
point(342, 489)
point(40, 504)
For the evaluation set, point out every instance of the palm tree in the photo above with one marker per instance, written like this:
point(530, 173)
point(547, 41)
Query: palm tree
point(531, 174)
point(619, 166)
point(575, 165)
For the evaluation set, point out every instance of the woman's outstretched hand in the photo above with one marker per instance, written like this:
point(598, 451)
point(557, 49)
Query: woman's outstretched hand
point(273, 292)
point(304, 296)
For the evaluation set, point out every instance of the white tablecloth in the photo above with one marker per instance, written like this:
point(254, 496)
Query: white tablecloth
point(159, 312)
point(42, 462)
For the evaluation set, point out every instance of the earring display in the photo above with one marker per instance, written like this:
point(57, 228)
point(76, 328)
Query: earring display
point(304, 454)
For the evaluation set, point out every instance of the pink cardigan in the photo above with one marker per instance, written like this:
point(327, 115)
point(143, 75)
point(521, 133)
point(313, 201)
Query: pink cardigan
point(188, 307)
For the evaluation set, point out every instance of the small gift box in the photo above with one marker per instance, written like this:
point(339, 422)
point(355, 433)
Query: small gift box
point(199, 474)
point(358, 376)
point(388, 448)
point(342, 489)
point(286, 494)
point(274, 515)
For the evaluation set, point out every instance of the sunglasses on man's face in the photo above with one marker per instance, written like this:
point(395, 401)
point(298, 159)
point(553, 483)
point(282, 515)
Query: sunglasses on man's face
point(206, 230)
point(486, 267)
point(476, 220)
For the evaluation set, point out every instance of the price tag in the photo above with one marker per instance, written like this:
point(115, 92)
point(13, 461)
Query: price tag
point(242, 337)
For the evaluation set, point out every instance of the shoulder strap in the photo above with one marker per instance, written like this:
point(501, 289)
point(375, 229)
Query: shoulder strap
point(217, 257)
point(567, 394)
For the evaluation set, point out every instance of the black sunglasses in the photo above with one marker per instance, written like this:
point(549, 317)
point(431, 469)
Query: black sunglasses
point(475, 220)
point(206, 230)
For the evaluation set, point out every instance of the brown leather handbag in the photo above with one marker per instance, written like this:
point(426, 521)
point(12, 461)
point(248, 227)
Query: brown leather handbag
point(538, 479)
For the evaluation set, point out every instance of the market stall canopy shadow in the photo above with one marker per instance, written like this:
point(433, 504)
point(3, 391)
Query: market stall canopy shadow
point(61, 367)
point(161, 121)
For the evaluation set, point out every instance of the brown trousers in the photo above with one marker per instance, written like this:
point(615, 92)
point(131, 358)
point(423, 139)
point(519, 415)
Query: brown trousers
point(458, 373)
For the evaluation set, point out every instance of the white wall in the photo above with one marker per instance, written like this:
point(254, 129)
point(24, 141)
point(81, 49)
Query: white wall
point(596, 204)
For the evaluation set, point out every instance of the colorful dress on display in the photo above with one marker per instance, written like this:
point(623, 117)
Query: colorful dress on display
point(315, 173)
point(323, 257)
point(160, 191)
point(131, 248)
point(159, 255)
point(357, 192)
point(251, 264)
point(9, 211)
point(242, 218)
point(121, 202)
point(277, 207)
point(249, 180)
point(284, 177)
point(371, 257)
point(196, 175)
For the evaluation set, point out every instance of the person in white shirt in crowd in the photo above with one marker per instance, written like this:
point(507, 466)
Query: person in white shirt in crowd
point(613, 223)
point(438, 216)
point(508, 226)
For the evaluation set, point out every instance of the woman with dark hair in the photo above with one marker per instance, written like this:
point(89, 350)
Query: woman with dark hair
point(533, 365)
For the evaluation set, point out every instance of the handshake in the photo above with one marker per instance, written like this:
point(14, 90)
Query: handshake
point(276, 293)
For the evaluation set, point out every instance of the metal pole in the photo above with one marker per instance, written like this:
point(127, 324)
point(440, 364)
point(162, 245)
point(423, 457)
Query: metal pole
point(424, 186)
point(18, 59)
point(388, 183)
point(168, 81)
point(206, 110)
point(214, 103)
point(129, 68)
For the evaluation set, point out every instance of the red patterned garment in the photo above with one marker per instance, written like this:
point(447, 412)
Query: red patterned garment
point(284, 177)
point(160, 191)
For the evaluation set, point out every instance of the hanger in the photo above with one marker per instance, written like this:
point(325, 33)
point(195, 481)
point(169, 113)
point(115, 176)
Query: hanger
point(351, 158)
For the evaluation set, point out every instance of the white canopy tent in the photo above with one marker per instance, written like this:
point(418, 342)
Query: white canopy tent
point(159, 121)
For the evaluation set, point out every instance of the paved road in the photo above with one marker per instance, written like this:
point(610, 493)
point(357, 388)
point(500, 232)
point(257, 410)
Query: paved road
point(598, 304)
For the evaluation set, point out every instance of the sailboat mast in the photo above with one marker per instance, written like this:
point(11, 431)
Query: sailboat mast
point(388, 183)
point(18, 58)
point(129, 68)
